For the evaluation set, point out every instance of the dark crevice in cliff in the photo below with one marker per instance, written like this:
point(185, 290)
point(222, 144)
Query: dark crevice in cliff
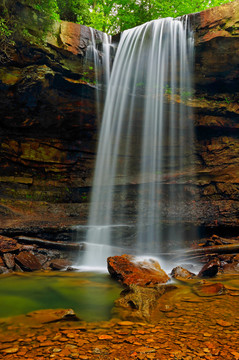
point(207, 133)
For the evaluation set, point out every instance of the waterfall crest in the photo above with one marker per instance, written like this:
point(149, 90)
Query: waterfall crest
point(145, 150)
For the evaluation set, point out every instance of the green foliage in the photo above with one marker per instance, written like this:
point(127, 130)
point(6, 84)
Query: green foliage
point(116, 16)
point(6, 42)
point(111, 16)
point(98, 19)
point(48, 7)
point(4, 29)
point(186, 95)
point(168, 90)
point(74, 10)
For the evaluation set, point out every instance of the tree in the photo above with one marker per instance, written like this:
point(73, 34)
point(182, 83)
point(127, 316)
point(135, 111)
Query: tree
point(74, 10)
point(115, 16)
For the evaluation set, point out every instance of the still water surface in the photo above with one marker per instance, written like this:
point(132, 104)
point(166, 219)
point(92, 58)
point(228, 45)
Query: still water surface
point(90, 295)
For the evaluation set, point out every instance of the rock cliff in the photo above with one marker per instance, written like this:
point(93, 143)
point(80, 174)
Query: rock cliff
point(216, 107)
point(48, 124)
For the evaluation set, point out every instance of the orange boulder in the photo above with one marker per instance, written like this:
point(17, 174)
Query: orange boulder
point(127, 270)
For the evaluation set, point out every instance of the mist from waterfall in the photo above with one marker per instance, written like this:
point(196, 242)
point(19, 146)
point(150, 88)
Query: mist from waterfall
point(145, 150)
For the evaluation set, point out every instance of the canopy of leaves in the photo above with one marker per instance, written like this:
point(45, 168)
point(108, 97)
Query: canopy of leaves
point(111, 16)
point(115, 16)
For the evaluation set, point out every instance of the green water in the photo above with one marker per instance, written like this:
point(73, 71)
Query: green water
point(91, 296)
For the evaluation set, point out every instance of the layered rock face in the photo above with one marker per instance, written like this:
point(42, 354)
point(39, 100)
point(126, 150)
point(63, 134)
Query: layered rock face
point(49, 127)
point(216, 108)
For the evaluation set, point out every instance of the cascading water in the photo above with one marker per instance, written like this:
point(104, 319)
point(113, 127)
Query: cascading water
point(99, 51)
point(145, 151)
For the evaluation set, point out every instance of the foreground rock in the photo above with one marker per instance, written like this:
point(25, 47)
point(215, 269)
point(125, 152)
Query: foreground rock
point(138, 303)
point(204, 289)
point(128, 271)
point(52, 315)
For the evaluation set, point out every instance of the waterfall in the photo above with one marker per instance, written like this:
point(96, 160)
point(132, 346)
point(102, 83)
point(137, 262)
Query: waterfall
point(145, 153)
point(99, 51)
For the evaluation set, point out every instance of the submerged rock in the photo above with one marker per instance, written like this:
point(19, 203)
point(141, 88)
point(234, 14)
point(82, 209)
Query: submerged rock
point(209, 289)
point(53, 315)
point(128, 271)
point(138, 303)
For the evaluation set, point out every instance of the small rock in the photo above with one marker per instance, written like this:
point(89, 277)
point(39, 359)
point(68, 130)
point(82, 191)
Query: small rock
point(9, 260)
point(209, 289)
point(11, 350)
point(105, 337)
point(41, 338)
point(28, 261)
point(2, 263)
point(145, 349)
point(8, 244)
point(53, 315)
point(41, 258)
point(210, 269)
point(60, 264)
point(214, 240)
point(28, 247)
point(125, 323)
point(181, 273)
point(223, 323)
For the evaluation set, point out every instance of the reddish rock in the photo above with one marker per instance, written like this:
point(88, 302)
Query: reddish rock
point(2, 263)
point(41, 258)
point(60, 264)
point(9, 260)
point(127, 271)
point(209, 289)
point(53, 315)
point(28, 261)
point(8, 244)
point(214, 240)
point(210, 269)
point(219, 21)
point(71, 37)
point(236, 258)
point(181, 273)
